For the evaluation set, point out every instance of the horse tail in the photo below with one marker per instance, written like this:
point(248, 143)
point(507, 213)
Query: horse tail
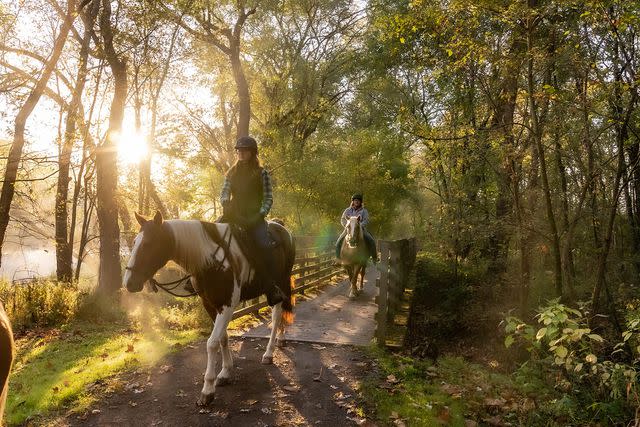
point(287, 304)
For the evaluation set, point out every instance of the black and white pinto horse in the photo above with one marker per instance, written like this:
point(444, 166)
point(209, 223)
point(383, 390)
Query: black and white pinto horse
point(354, 254)
point(221, 274)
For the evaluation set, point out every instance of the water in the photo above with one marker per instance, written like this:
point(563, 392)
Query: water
point(27, 263)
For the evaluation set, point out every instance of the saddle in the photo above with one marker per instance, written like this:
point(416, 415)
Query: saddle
point(247, 245)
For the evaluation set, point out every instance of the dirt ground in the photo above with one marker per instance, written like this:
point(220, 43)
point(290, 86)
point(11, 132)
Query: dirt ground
point(308, 385)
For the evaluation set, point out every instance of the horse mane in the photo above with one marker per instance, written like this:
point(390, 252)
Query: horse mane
point(194, 246)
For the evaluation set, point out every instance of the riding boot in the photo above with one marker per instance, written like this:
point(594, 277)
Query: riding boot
point(267, 263)
point(371, 246)
point(272, 290)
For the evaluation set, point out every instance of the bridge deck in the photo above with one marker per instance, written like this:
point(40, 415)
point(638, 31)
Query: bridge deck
point(331, 317)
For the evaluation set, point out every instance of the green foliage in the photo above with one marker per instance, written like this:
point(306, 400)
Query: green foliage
point(583, 367)
point(40, 303)
point(452, 391)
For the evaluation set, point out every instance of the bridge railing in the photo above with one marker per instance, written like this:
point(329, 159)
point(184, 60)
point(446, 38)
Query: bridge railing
point(396, 262)
point(314, 265)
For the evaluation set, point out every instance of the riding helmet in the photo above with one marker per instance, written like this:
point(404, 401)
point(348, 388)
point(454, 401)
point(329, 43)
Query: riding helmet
point(246, 142)
point(357, 197)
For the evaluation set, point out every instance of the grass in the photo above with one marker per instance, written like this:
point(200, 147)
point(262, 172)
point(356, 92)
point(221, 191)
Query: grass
point(449, 392)
point(55, 369)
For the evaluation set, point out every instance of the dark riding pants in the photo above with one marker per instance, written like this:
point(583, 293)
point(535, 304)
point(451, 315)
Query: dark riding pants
point(368, 240)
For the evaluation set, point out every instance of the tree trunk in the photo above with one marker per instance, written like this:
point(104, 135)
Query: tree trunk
point(244, 100)
point(536, 131)
point(64, 238)
point(109, 276)
point(15, 152)
point(621, 118)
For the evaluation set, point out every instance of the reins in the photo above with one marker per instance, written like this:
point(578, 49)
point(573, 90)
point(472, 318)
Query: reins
point(169, 287)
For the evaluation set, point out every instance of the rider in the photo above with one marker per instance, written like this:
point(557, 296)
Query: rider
point(357, 209)
point(246, 200)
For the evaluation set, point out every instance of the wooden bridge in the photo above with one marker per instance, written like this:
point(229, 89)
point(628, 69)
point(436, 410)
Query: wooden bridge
point(331, 317)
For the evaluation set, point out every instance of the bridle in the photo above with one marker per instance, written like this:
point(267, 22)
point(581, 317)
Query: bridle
point(351, 237)
point(169, 287)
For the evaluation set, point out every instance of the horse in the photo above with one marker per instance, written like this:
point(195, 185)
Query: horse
point(222, 275)
point(7, 354)
point(354, 254)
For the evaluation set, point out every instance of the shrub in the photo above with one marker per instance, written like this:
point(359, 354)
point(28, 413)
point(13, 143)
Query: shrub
point(580, 363)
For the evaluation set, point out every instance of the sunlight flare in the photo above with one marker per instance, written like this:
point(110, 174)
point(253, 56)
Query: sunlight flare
point(132, 146)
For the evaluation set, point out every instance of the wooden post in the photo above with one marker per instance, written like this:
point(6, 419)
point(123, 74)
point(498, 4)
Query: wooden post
point(383, 286)
point(395, 279)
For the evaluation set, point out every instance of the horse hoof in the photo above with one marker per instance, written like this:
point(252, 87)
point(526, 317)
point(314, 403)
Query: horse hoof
point(205, 399)
point(222, 381)
point(267, 360)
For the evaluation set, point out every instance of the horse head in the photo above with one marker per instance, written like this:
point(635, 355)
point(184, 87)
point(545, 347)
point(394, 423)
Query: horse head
point(354, 231)
point(151, 250)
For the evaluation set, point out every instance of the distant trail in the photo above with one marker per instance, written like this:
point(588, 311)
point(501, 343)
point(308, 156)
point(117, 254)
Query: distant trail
point(331, 317)
point(308, 384)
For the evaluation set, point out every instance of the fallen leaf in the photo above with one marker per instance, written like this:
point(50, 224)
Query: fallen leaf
point(445, 416)
point(495, 421)
point(290, 388)
point(133, 404)
point(318, 346)
point(394, 415)
point(129, 348)
point(181, 393)
point(391, 379)
point(494, 402)
point(266, 411)
point(104, 355)
point(245, 410)
point(165, 368)
point(333, 387)
point(96, 411)
point(55, 389)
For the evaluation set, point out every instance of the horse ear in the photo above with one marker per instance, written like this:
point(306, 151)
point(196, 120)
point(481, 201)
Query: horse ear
point(158, 218)
point(141, 219)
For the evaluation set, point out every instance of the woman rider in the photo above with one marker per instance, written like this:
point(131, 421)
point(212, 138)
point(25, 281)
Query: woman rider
point(246, 200)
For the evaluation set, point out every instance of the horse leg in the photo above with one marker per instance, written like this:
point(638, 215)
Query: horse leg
point(276, 319)
point(353, 292)
point(213, 345)
point(363, 270)
point(224, 377)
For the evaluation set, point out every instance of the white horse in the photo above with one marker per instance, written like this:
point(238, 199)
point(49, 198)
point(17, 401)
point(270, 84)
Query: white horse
point(221, 274)
point(354, 254)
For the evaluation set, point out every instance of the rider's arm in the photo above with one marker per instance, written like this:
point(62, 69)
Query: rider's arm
point(345, 217)
point(364, 217)
point(267, 193)
point(225, 194)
